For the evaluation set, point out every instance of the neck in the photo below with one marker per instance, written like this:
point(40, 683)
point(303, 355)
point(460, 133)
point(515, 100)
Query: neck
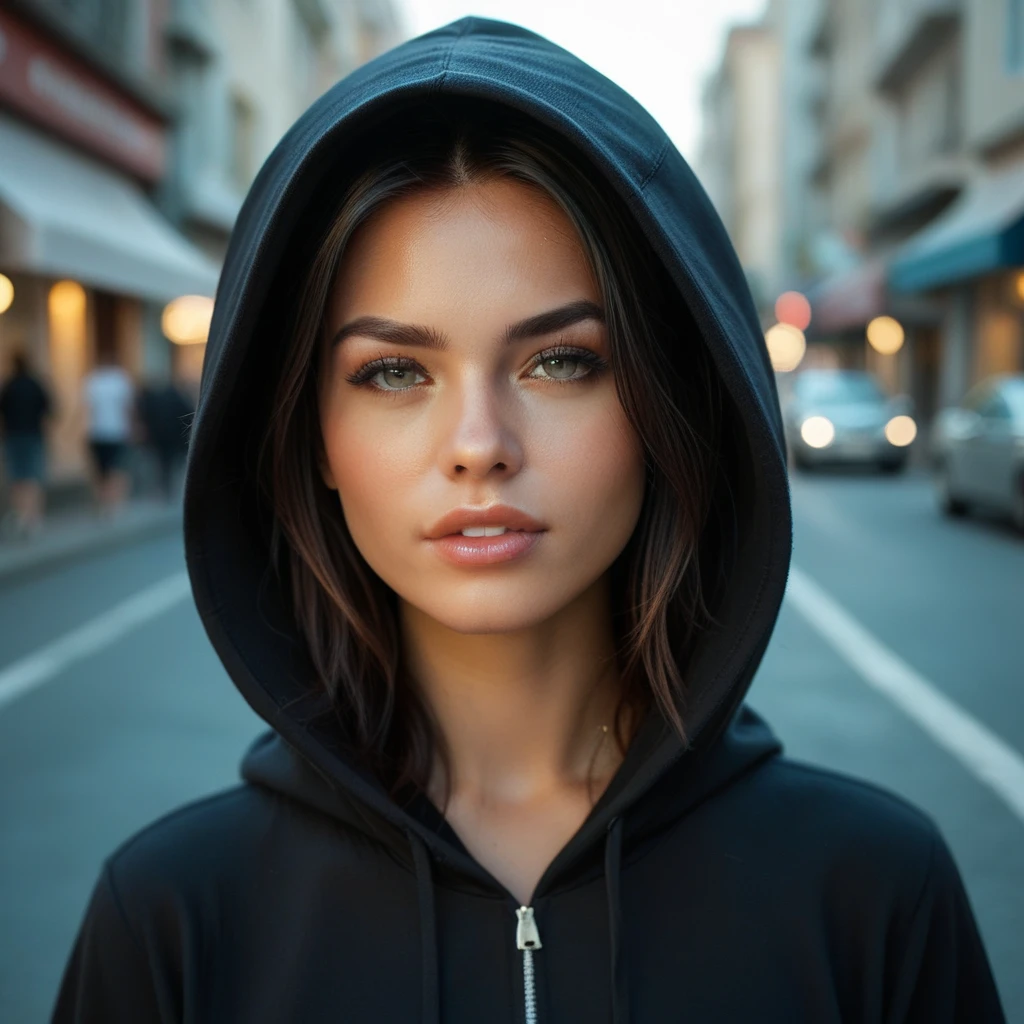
point(522, 714)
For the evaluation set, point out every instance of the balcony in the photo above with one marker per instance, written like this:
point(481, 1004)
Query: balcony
point(908, 34)
point(918, 198)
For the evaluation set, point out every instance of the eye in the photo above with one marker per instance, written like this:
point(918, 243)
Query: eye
point(392, 370)
point(561, 363)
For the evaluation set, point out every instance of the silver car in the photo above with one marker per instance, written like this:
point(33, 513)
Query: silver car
point(843, 416)
point(978, 450)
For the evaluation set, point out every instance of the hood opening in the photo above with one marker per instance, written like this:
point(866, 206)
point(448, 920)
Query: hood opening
point(244, 606)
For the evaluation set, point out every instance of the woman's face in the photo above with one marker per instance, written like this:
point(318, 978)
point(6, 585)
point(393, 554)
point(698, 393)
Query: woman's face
point(472, 407)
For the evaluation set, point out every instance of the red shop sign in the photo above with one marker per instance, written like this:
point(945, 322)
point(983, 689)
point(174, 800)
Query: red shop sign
point(61, 93)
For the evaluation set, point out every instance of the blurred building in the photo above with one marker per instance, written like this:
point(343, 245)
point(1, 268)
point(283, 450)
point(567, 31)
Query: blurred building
point(740, 161)
point(758, 144)
point(911, 206)
point(130, 130)
point(972, 256)
point(85, 140)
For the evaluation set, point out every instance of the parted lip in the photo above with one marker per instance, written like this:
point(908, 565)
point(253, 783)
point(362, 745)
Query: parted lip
point(491, 515)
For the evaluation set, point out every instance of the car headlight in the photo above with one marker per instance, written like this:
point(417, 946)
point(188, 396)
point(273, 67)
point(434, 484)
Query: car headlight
point(817, 431)
point(900, 431)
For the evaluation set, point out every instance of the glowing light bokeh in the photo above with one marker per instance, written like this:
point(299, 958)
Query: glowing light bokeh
point(66, 302)
point(885, 335)
point(900, 431)
point(817, 431)
point(186, 320)
point(793, 308)
point(6, 293)
point(786, 346)
point(1019, 286)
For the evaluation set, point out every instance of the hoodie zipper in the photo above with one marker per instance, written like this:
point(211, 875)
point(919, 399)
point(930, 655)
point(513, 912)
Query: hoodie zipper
point(528, 939)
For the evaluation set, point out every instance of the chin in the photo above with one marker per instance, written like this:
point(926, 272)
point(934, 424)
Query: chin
point(487, 607)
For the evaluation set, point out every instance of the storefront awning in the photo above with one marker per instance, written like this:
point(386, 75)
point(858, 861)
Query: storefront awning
point(63, 214)
point(981, 232)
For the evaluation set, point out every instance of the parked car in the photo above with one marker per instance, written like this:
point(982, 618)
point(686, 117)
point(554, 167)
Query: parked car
point(844, 416)
point(978, 450)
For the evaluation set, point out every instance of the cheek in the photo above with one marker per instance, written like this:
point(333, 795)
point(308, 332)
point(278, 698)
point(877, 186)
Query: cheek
point(596, 469)
point(374, 464)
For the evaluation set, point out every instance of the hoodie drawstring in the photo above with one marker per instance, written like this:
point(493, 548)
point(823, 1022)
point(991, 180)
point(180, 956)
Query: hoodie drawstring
point(430, 991)
point(431, 994)
point(612, 872)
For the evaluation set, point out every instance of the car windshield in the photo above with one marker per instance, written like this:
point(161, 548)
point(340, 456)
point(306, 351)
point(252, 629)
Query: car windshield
point(838, 387)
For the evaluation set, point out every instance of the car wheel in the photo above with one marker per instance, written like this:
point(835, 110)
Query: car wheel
point(949, 502)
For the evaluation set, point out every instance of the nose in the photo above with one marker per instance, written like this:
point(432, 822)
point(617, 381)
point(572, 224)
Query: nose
point(479, 434)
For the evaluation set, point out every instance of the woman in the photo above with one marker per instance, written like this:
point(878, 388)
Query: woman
point(487, 516)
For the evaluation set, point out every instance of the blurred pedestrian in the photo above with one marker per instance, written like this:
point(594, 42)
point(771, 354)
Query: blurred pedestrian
point(163, 412)
point(109, 397)
point(25, 404)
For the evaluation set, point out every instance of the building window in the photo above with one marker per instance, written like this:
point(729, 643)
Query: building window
point(1015, 36)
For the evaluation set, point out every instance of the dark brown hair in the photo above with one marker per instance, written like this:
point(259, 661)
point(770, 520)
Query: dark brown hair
point(665, 382)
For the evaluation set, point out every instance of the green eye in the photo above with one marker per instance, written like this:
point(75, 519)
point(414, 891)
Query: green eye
point(555, 366)
point(556, 361)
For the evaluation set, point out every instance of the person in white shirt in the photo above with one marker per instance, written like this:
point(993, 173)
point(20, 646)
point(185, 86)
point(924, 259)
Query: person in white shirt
point(109, 397)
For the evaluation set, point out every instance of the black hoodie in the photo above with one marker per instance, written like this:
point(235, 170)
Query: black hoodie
point(714, 882)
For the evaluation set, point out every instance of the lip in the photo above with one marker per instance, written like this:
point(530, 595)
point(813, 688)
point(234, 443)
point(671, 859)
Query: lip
point(461, 550)
point(493, 515)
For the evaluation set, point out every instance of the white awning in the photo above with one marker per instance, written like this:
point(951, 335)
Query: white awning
point(63, 214)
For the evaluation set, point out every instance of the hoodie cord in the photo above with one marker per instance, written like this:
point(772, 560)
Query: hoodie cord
point(612, 872)
point(431, 994)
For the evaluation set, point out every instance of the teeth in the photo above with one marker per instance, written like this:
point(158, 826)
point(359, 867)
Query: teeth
point(483, 531)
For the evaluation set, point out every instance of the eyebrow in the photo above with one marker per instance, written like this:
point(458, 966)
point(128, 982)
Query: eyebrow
point(383, 329)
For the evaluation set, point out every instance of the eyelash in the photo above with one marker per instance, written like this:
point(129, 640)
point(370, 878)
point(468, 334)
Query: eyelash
point(365, 374)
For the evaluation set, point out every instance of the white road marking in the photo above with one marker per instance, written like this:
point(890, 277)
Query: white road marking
point(988, 757)
point(55, 657)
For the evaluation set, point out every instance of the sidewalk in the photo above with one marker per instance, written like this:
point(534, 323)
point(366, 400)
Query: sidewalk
point(79, 532)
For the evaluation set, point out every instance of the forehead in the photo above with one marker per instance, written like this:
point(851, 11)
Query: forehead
point(496, 242)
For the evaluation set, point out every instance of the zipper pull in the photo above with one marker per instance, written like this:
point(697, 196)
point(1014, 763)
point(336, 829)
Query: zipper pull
point(527, 936)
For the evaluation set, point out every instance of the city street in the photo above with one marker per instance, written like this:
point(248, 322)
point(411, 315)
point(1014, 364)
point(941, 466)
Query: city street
point(124, 711)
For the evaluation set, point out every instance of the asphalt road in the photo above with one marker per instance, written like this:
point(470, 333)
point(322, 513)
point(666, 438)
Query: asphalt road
point(146, 718)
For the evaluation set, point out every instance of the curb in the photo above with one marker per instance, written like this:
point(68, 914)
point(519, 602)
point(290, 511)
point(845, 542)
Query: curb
point(20, 564)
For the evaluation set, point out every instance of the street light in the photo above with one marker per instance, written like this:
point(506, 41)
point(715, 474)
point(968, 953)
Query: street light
point(6, 293)
point(793, 308)
point(786, 346)
point(186, 320)
point(885, 335)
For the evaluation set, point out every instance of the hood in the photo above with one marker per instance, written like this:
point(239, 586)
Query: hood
point(245, 614)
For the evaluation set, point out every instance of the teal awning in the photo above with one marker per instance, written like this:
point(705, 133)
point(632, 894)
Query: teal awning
point(980, 232)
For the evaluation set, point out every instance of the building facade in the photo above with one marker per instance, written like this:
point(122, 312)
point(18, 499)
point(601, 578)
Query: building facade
point(914, 202)
point(85, 136)
point(971, 258)
point(739, 161)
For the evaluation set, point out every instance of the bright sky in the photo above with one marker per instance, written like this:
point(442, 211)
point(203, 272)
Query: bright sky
point(658, 50)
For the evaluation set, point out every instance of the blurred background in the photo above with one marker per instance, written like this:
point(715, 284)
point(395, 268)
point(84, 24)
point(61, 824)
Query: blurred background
point(867, 159)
